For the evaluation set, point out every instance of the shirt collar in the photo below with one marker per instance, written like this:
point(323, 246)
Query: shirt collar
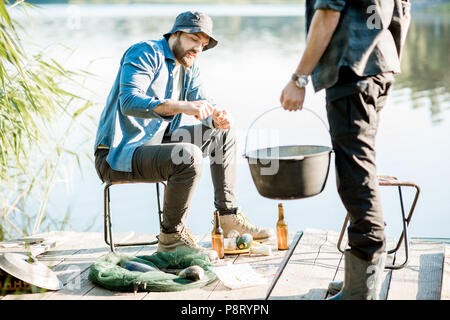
point(167, 52)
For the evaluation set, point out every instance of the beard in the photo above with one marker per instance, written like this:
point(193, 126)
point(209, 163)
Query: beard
point(180, 53)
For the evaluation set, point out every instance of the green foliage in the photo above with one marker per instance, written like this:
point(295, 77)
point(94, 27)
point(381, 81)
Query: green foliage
point(440, 8)
point(423, 74)
point(37, 115)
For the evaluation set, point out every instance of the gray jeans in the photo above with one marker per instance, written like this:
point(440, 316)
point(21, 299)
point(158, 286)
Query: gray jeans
point(178, 160)
point(353, 109)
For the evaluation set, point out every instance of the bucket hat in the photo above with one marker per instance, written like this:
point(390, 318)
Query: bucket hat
point(192, 22)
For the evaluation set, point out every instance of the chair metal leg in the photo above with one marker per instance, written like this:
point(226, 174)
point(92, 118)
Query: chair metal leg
point(160, 207)
point(107, 217)
point(108, 220)
point(405, 221)
point(392, 181)
point(341, 236)
point(403, 236)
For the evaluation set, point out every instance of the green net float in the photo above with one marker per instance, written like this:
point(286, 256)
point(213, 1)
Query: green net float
point(244, 241)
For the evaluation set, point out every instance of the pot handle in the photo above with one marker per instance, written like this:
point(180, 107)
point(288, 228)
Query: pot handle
point(274, 108)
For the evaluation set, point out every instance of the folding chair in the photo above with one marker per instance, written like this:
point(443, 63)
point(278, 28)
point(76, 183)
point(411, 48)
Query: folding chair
point(392, 182)
point(108, 218)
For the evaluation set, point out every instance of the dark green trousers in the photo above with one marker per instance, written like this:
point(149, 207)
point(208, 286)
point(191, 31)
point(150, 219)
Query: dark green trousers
point(353, 110)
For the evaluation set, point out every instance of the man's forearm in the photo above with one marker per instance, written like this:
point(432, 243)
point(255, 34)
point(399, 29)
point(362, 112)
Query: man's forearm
point(170, 108)
point(322, 27)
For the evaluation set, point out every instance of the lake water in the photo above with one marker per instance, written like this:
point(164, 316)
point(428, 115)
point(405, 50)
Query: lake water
point(259, 47)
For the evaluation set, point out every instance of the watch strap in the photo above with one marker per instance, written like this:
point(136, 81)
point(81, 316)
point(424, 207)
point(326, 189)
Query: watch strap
point(303, 79)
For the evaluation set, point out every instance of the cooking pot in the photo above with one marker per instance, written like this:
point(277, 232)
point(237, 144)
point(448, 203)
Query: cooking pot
point(291, 171)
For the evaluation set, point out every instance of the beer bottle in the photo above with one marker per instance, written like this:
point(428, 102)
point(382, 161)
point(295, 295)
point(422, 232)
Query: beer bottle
point(282, 229)
point(217, 236)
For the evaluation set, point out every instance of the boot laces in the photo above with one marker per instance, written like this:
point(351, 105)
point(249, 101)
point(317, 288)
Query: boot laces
point(187, 238)
point(246, 223)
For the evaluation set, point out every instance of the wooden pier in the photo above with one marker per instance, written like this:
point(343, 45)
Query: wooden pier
point(315, 262)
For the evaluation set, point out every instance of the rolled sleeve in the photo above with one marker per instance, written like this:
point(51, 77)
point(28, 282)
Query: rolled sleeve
point(137, 74)
point(337, 5)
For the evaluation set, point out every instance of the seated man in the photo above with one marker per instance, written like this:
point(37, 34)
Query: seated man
point(140, 138)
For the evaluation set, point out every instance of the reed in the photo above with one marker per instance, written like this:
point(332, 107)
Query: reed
point(39, 110)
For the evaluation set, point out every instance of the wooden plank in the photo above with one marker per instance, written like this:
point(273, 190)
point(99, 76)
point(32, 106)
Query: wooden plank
point(340, 271)
point(310, 269)
point(78, 257)
point(54, 257)
point(293, 283)
point(69, 259)
point(264, 265)
point(79, 284)
point(445, 288)
point(421, 278)
point(57, 238)
point(315, 262)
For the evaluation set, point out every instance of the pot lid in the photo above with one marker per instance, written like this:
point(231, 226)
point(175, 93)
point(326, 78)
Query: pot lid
point(30, 270)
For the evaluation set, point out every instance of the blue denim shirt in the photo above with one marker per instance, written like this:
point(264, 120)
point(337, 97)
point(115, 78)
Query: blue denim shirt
point(144, 81)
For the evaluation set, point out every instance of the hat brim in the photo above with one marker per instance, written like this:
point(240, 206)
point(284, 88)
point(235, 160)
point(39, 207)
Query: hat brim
point(212, 41)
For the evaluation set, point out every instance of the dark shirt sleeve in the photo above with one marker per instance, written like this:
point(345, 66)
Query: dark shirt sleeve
point(337, 5)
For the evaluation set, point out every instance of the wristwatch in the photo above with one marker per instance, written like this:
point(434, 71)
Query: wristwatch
point(300, 80)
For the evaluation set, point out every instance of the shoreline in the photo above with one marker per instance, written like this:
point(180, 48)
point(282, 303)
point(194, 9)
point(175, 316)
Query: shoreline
point(433, 6)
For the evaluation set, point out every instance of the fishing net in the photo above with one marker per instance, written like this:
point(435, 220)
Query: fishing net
point(108, 271)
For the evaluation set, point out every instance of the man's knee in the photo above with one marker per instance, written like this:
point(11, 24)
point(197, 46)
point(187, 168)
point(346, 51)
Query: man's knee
point(224, 140)
point(188, 157)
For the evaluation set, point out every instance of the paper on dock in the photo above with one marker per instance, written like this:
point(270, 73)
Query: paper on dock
point(236, 276)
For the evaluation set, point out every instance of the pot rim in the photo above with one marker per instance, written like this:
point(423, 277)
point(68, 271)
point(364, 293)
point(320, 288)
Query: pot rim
point(326, 150)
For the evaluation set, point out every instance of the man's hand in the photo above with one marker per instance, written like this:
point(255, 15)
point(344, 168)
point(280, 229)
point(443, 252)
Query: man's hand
point(323, 25)
point(292, 97)
point(200, 109)
point(222, 119)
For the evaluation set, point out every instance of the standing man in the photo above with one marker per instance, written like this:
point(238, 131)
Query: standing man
point(353, 49)
point(139, 137)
